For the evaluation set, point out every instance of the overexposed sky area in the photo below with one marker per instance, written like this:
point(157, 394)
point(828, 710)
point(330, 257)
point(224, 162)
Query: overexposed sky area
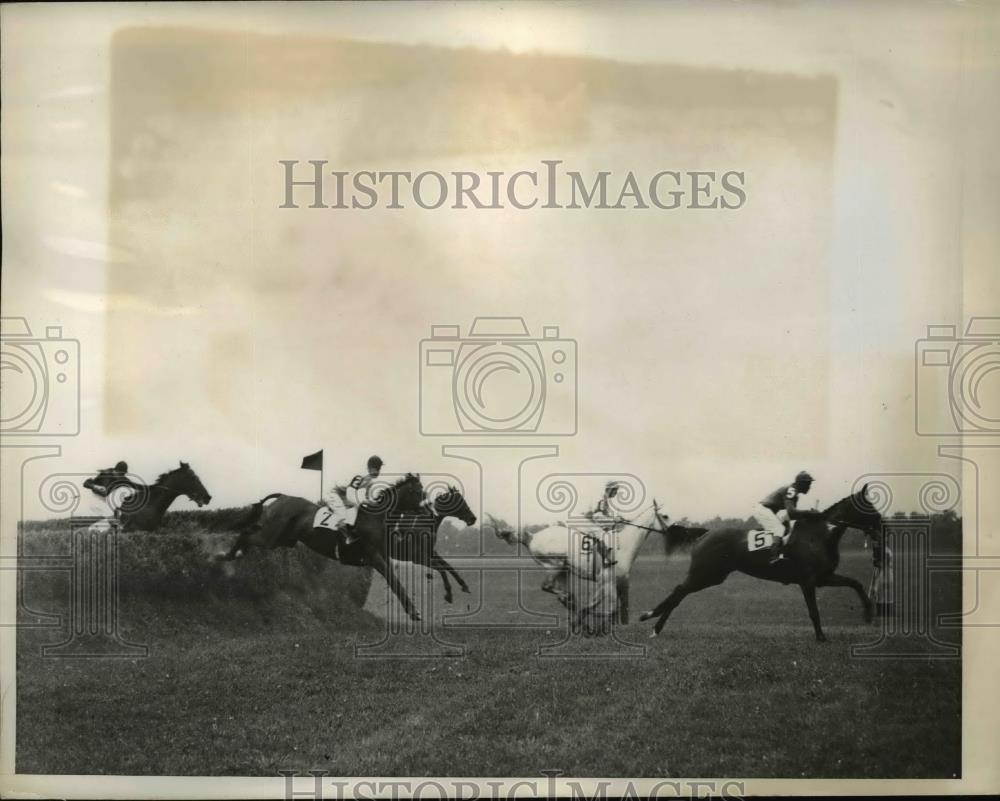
point(719, 352)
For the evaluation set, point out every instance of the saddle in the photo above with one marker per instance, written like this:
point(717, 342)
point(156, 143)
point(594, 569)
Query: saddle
point(348, 553)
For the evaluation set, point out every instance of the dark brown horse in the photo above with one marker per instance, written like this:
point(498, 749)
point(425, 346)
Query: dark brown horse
point(413, 537)
point(811, 558)
point(142, 507)
point(399, 523)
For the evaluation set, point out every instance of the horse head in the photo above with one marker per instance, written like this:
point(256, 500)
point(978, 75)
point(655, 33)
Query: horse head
point(451, 503)
point(661, 519)
point(675, 536)
point(184, 481)
point(507, 535)
point(856, 511)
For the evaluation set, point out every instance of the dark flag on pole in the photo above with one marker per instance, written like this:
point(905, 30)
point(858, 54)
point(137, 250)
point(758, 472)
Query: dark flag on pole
point(314, 461)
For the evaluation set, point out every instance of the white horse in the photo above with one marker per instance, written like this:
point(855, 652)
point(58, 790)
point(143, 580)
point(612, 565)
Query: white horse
point(598, 559)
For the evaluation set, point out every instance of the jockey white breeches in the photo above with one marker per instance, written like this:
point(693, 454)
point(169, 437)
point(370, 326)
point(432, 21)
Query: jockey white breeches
point(343, 515)
point(771, 521)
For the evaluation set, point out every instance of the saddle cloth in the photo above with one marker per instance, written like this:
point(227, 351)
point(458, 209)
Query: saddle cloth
point(325, 518)
point(759, 539)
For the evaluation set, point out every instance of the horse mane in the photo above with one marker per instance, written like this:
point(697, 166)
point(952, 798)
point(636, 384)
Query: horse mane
point(408, 478)
point(182, 466)
point(859, 500)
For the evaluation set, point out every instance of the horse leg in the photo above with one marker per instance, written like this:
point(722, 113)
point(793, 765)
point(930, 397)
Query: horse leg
point(809, 593)
point(461, 581)
point(621, 586)
point(555, 583)
point(443, 567)
point(680, 592)
point(447, 584)
point(382, 565)
point(837, 580)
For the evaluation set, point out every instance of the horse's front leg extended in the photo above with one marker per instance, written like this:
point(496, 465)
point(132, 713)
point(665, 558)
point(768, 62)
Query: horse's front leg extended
point(450, 569)
point(809, 593)
point(447, 584)
point(837, 580)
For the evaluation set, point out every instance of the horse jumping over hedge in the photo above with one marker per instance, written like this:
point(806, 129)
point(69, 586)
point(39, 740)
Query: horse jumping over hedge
point(398, 523)
point(142, 507)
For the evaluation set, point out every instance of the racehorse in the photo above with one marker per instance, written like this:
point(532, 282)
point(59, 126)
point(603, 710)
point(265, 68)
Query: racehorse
point(590, 553)
point(142, 507)
point(811, 558)
point(413, 537)
point(383, 528)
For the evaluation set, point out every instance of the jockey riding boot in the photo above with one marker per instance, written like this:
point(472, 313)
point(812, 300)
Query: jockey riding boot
point(349, 535)
point(777, 546)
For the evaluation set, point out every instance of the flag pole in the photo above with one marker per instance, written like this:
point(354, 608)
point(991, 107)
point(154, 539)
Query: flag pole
point(314, 461)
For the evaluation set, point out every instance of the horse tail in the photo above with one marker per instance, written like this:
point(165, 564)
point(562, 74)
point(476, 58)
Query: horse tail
point(251, 517)
point(680, 538)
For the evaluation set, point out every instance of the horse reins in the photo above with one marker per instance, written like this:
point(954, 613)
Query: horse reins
point(637, 525)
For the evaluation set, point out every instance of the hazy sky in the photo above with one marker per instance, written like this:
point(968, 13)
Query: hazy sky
point(718, 352)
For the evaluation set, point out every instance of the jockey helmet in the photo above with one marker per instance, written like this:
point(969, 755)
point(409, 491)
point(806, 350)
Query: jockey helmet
point(121, 467)
point(612, 487)
point(374, 462)
point(803, 478)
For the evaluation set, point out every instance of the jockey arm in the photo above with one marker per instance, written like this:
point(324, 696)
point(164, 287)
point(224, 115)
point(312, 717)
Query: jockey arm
point(792, 508)
point(358, 491)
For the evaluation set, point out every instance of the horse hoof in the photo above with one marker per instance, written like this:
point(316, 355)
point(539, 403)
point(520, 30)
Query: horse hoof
point(654, 634)
point(466, 589)
point(447, 599)
point(645, 616)
point(822, 638)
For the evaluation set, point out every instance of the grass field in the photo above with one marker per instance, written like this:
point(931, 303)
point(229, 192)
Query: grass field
point(251, 684)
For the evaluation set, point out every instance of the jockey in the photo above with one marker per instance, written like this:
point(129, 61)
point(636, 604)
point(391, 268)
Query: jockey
point(603, 514)
point(345, 507)
point(778, 512)
point(110, 480)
